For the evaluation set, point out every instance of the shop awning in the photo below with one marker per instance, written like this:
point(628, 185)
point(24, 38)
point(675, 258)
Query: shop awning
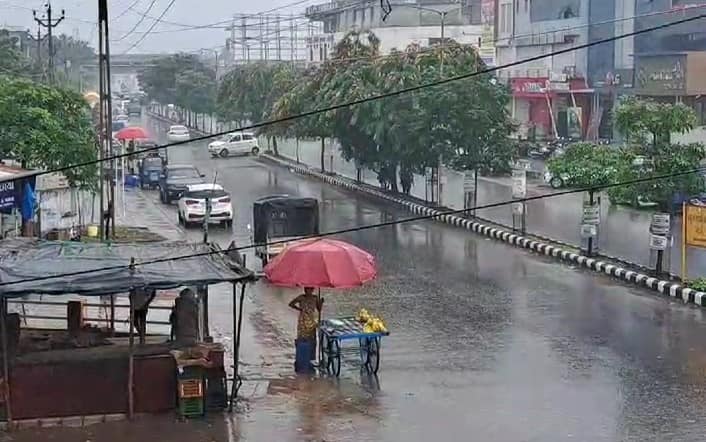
point(104, 269)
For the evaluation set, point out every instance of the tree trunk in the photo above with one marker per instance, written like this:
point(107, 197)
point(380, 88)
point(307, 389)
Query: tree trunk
point(392, 177)
point(274, 146)
point(323, 154)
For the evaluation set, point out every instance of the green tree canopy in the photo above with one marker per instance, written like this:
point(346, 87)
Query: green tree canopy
point(47, 128)
point(181, 79)
point(12, 61)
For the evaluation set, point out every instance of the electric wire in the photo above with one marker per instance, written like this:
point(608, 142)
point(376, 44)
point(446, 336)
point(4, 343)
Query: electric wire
point(155, 23)
point(440, 214)
point(139, 22)
point(362, 100)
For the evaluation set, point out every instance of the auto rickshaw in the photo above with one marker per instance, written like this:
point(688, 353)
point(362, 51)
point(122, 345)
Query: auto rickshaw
point(151, 168)
point(282, 219)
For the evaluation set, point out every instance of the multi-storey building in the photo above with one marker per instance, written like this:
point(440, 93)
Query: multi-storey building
point(670, 64)
point(571, 94)
point(419, 22)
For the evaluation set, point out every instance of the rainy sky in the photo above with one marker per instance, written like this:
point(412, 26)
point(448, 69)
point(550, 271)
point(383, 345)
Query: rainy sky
point(81, 16)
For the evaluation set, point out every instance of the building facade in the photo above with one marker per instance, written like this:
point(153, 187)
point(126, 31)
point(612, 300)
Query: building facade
point(670, 64)
point(551, 96)
point(570, 94)
point(420, 23)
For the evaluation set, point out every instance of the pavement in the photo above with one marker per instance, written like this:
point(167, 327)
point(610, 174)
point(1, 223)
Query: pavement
point(486, 340)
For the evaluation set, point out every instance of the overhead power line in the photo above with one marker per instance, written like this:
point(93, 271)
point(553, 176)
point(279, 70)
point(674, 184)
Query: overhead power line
point(368, 99)
point(126, 10)
point(361, 228)
point(139, 22)
point(155, 23)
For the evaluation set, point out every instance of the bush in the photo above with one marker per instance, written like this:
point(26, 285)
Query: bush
point(587, 164)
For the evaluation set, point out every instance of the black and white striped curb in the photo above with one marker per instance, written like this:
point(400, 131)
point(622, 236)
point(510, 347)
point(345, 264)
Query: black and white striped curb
point(667, 288)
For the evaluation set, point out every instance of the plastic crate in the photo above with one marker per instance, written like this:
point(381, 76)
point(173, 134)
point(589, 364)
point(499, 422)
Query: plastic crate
point(191, 407)
point(190, 388)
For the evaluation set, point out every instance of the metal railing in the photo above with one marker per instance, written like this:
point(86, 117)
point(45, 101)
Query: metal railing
point(25, 316)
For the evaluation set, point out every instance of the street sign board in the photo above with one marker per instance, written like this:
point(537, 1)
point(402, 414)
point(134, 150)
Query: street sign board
point(695, 218)
point(469, 181)
point(519, 183)
point(591, 214)
point(523, 164)
point(518, 208)
point(658, 242)
point(588, 230)
point(660, 223)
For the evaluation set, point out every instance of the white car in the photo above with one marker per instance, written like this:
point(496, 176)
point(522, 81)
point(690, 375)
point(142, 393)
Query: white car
point(192, 205)
point(235, 143)
point(178, 133)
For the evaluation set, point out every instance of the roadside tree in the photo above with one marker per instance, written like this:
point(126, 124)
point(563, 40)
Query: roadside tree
point(648, 127)
point(47, 128)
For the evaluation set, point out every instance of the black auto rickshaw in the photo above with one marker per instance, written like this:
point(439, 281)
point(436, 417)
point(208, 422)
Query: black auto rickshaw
point(150, 169)
point(282, 218)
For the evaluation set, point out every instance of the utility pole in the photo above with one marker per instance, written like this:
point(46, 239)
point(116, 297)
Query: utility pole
point(50, 24)
point(37, 39)
point(106, 126)
point(244, 41)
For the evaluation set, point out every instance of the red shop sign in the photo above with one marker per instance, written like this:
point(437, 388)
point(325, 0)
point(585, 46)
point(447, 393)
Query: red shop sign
point(529, 87)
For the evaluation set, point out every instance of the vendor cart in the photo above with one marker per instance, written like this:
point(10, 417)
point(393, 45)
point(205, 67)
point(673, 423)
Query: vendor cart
point(332, 335)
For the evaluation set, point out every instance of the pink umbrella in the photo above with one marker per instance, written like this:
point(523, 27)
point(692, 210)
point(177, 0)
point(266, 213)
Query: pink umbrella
point(131, 133)
point(321, 263)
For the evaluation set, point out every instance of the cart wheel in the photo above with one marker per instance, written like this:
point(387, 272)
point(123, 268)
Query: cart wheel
point(335, 357)
point(373, 362)
point(323, 352)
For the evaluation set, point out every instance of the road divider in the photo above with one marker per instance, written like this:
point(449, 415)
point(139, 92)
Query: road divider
point(636, 277)
point(667, 288)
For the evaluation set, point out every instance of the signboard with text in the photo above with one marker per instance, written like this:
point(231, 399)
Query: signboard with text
point(661, 75)
point(519, 183)
point(7, 195)
point(529, 87)
point(695, 228)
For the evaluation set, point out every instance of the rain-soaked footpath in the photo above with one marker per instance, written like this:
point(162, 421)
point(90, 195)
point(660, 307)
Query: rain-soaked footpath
point(488, 342)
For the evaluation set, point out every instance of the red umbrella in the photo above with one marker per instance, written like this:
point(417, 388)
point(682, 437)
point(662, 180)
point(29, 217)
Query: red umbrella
point(131, 133)
point(321, 263)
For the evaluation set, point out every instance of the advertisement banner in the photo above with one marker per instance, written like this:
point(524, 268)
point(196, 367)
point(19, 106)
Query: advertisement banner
point(695, 228)
point(573, 123)
point(529, 87)
point(7, 196)
point(487, 45)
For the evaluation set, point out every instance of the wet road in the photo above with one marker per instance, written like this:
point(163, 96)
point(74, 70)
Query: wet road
point(487, 340)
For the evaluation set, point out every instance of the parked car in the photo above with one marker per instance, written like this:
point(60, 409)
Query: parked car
point(178, 133)
point(556, 181)
point(236, 143)
point(192, 205)
point(175, 179)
